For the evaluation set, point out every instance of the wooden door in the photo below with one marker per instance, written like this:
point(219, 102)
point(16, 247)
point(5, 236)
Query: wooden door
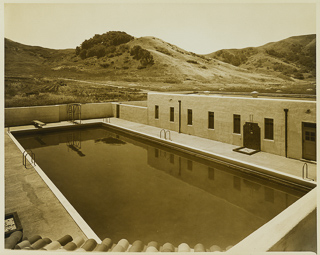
point(251, 136)
point(309, 141)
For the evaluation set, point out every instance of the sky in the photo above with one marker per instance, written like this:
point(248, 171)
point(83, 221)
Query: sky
point(201, 27)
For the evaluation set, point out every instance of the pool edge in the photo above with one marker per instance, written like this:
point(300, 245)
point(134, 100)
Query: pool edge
point(244, 166)
point(85, 228)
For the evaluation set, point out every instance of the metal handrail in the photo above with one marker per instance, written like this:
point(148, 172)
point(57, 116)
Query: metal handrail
point(305, 167)
point(165, 134)
point(164, 131)
point(24, 158)
point(72, 110)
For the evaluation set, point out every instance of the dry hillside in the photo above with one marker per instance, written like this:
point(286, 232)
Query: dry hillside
point(117, 60)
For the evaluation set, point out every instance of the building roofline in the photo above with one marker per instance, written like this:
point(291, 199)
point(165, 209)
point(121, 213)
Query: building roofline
point(240, 96)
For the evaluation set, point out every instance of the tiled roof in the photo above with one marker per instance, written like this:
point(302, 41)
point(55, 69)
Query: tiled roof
point(17, 241)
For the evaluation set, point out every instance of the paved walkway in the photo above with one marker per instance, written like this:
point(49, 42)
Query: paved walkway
point(39, 211)
point(261, 159)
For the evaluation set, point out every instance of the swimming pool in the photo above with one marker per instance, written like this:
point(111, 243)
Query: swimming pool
point(126, 187)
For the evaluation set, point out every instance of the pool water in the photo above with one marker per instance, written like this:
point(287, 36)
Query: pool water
point(125, 187)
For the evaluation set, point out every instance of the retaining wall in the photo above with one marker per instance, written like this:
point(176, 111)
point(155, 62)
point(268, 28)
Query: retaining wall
point(18, 116)
point(132, 113)
point(24, 115)
point(94, 111)
point(294, 229)
point(303, 237)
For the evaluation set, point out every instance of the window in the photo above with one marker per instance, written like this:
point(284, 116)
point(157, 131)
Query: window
point(236, 123)
point(171, 158)
point(236, 183)
point(268, 195)
point(156, 153)
point(171, 113)
point(189, 165)
point(268, 129)
point(189, 117)
point(211, 120)
point(310, 136)
point(156, 112)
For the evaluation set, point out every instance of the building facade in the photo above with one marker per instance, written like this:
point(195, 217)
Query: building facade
point(285, 127)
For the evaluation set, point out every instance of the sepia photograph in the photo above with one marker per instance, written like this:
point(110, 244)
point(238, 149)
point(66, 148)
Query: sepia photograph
point(159, 126)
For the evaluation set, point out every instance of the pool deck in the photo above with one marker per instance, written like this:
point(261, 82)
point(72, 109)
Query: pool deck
point(39, 211)
point(42, 213)
point(286, 166)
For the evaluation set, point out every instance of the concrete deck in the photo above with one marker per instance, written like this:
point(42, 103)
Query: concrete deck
point(41, 212)
point(261, 159)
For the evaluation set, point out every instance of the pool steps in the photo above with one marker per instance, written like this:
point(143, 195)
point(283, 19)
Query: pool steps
point(16, 241)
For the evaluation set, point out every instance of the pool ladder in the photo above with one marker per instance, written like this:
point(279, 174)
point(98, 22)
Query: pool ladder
point(165, 132)
point(24, 158)
point(305, 167)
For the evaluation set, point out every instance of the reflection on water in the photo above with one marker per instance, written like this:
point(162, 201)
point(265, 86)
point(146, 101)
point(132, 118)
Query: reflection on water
point(110, 140)
point(39, 140)
point(141, 190)
point(74, 142)
point(211, 173)
point(259, 197)
point(269, 195)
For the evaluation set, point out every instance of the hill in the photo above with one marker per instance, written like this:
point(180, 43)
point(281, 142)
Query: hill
point(294, 57)
point(24, 59)
point(128, 66)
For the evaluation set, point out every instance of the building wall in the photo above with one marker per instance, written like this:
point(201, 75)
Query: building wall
point(63, 116)
point(25, 115)
point(132, 113)
point(250, 109)
point(97, 110)
point(137, 103)
point(54, 113)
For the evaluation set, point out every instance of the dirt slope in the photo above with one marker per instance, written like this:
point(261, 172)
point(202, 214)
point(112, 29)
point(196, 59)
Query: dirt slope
point(287, 63)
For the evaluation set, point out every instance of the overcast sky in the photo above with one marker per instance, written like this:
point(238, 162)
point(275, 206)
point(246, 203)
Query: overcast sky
point(201, 27)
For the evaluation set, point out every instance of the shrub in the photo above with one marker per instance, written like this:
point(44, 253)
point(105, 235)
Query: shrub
point(192, 61)
point(143, 55)
point(235, 59)
point(61, 83)
point(104, 65)
point(164, 51)
point(110, 49)
point(83, 54)
point(124, 48)
point(299, 76)
point(97, 50)
point(100, 45)
point(78, 50)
